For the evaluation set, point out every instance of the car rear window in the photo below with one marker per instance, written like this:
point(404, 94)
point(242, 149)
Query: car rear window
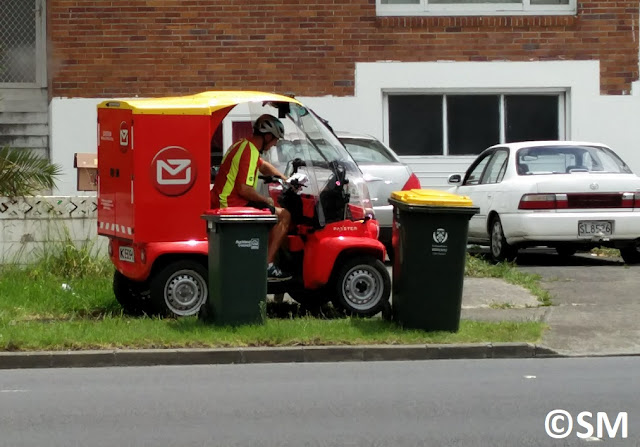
point(367, 151)
point(568, 159)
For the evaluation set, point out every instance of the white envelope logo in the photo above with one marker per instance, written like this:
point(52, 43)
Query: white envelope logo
point(173, 167)
point(124, 137)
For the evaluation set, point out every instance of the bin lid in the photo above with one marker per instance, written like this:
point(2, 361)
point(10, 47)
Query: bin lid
point(239, 214)
point(237, 211)
point(431, 197)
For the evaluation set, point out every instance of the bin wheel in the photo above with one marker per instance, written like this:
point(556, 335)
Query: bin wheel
point(362, 286)
point(500, 250)
point(631, 253)
point(179, 289)
point(133, 296)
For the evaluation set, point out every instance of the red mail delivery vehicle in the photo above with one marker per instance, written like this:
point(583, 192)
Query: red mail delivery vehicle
point(154, 178)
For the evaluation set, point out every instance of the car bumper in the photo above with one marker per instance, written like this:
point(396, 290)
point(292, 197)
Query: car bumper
point(384, 216)
point(563, 227)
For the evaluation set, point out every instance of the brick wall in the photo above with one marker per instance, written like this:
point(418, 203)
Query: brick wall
point(161, 47)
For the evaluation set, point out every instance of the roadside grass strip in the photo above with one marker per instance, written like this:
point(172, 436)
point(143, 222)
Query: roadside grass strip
point(49, 307)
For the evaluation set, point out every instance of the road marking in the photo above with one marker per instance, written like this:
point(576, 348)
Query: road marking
point(14, 391)
point(592, 439)
point(530, 377)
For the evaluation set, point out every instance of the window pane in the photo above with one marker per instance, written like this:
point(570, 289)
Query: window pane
point(415, 124)
point(468, 2)
point(531, 117)
point(473, 123)
point(400, 2)
point(366, 151)
point(549, 2)
point(496, 168)
point(475, 175)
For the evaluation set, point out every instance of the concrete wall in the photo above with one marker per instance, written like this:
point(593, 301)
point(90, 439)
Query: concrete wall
point(32, 226)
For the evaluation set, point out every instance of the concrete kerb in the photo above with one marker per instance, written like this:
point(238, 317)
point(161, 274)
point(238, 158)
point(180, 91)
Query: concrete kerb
point(295, 354)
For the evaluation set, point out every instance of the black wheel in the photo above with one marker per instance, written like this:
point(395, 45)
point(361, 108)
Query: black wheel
point(133, 296)
point(566, 251)
point(362, 286)
point(179, 289)
point(500, 250)
point(311, 298)
point(631, 253)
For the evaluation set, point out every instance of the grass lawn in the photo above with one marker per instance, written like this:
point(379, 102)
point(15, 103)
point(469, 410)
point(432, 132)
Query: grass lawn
point(62, 304)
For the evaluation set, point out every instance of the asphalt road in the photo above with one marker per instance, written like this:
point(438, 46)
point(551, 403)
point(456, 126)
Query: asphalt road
point(430, 403)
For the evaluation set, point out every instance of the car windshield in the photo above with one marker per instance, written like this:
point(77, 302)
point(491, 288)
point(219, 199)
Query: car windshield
point(364, 150)
point(568, 159)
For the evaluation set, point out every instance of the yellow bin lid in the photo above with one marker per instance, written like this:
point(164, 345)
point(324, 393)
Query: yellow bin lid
point(430, 197)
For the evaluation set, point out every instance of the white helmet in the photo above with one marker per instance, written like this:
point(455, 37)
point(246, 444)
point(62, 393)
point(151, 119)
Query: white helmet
point(269, 124)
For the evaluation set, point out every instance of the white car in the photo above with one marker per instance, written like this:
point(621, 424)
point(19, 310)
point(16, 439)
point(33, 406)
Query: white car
point(563, 194)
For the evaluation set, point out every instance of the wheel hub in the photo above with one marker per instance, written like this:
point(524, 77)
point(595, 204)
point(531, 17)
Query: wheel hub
point(362, 287)
point(184, 293)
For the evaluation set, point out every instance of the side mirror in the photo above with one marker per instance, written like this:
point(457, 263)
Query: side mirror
point(455, 179)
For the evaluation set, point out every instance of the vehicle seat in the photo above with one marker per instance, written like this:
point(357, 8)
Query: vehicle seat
point(523, 168)
point(576, 167)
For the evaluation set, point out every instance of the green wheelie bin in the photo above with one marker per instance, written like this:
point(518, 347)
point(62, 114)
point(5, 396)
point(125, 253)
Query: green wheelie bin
point(430, 243)
point(238, 239)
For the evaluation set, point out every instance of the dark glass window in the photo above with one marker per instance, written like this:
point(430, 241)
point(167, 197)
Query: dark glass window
point(415, 124)
point(531, 117)
point(473, 123)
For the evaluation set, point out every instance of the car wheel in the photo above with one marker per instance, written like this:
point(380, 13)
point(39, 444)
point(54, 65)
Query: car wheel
point(566, 251)
point(500, 250)
point(133, 296)
point(362, 287)
point(179, 289)
point(631, 253)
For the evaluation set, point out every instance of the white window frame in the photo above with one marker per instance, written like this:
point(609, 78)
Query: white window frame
point(562, 95)
point(524, 8)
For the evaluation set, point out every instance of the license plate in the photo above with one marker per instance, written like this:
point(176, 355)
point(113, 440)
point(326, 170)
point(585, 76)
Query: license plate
point(126, 254)
point(593, 227)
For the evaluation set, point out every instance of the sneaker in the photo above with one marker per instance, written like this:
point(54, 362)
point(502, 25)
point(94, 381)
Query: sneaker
point(274, 274)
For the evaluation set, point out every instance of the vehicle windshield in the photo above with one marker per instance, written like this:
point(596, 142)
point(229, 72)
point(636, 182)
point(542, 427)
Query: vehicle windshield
point(568, 159)
point(326, 162)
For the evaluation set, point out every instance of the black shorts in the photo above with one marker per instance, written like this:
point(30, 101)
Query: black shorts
point(261, 206)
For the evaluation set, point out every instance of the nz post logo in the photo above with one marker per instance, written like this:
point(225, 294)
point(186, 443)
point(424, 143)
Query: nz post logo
point(173, 171)
point(124, 136)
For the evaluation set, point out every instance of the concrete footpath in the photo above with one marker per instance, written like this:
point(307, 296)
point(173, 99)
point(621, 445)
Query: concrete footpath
point(484, 299)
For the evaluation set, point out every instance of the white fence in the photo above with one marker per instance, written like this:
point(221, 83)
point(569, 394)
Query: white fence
point(33, 226)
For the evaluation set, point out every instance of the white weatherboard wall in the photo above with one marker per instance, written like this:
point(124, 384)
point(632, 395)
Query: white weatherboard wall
point(613, 120)
point(33, 226)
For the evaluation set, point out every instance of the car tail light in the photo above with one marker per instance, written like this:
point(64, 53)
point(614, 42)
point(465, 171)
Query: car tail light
point(631, 200)
point(412, 183)
point(143, 255)
point(543, 202)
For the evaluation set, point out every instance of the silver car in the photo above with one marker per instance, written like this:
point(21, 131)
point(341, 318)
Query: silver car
point(381, 168)
point(384, 173)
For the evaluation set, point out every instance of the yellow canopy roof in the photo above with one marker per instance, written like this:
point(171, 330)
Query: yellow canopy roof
point(203, 103)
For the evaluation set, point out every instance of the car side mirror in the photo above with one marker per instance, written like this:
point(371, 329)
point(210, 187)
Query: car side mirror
point(455, 179)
